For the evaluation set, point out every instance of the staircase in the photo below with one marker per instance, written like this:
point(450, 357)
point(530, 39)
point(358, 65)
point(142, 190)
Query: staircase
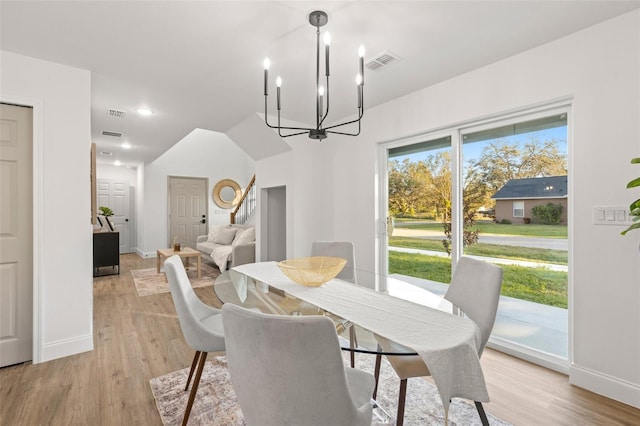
point(247, 204)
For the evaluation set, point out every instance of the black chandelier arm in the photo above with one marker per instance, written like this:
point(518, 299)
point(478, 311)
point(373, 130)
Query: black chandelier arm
point(292, 134)
point(357, 120)
point(266, 115)
point(278, 127)
point(345, 133)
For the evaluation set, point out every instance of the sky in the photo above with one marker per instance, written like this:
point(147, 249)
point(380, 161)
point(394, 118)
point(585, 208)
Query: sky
point(474, 150)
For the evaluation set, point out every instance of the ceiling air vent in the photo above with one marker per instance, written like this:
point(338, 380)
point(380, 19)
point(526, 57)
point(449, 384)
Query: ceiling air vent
point(114, 134)
point(115, 113)
point(382, 60)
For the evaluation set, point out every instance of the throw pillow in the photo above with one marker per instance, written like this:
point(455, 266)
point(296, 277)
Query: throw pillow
point(245, 236)
point(225, 236)
point(213, 231)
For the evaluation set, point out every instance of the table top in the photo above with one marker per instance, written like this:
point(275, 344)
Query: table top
point(185, 251)
point(446, 343)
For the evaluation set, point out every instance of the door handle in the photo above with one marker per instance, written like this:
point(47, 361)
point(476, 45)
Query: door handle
point(203, 221)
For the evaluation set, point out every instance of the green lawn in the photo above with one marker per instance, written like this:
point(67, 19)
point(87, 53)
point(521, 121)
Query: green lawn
point(489, 250)
point(490, 227)
point(533, 284)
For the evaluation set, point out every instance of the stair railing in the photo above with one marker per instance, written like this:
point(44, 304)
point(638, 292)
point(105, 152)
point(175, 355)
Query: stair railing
point(246, 205)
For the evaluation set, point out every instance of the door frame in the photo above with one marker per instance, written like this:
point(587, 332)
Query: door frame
point(37, 183)
point(382, 237)
point(456, 130)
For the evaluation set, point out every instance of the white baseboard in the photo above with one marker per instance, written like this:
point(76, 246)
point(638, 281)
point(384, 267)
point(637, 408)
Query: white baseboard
point(543, 359)
point(611, 387)
point(67, 347)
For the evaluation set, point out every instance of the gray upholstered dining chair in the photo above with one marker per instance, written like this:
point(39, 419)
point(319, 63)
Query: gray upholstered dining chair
point(288, 370)
point(474, 289)
point(342, 249)
point(201, 324)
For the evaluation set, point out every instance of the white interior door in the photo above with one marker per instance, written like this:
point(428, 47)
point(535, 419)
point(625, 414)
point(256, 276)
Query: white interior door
point(16, 225)
point(187, 209)
point(115, 195)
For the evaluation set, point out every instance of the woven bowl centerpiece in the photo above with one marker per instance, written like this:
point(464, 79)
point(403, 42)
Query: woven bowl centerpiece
point(312, 271)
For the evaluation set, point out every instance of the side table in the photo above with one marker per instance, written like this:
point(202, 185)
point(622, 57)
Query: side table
point(185, 253)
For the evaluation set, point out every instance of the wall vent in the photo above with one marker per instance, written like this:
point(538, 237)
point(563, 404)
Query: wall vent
point(382, 60)
point(114, 134)
point(115, 113)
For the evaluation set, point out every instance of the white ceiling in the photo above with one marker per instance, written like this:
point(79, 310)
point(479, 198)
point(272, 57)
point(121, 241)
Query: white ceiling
point(199, 64)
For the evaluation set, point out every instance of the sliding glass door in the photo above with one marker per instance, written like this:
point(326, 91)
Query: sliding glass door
point(497, 191)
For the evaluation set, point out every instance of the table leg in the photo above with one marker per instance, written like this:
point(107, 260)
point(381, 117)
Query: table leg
point(158, 262)
point(198, 263)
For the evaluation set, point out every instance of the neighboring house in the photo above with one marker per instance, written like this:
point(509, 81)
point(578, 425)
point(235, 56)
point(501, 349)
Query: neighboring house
point(517, 197)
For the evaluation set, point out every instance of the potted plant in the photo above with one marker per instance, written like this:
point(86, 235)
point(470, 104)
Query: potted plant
point(106, 212)
point(634, 207)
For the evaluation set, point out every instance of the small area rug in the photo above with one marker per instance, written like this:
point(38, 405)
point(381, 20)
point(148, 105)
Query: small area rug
point(216, 402)
point(148, 281)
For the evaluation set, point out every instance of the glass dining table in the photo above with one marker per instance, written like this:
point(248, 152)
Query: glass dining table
point(353, 338)
point(421, 323)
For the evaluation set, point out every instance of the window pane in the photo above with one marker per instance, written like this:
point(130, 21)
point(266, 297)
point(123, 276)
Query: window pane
point(419, 178)
point(514, 210)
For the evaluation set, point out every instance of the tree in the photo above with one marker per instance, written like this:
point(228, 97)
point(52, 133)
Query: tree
point(501, 162)
point(438, 190)
point(407, 187)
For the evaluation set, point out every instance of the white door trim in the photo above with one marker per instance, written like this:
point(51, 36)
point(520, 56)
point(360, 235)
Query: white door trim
point(38, 214)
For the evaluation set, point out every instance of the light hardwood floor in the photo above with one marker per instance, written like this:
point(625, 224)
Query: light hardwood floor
point(137, 338)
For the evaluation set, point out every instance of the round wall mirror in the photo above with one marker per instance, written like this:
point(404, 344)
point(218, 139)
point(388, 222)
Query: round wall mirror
point(227, 193)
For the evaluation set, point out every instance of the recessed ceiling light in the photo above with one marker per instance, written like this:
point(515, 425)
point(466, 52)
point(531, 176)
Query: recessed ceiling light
point(144, 111)
point(117, 163)
point(105, 153)
point(126, 145)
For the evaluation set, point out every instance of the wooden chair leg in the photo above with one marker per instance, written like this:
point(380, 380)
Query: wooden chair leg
point(401, 397)
point(353, 342)
point(194, 388)
point(481, 413)
point(193, 368)
point(376, 374)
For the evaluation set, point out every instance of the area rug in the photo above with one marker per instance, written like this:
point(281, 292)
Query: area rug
point(148, 281)
point(216, 403)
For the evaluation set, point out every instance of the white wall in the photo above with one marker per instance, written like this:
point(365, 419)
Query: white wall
point(63, 283)
point(598, 68)
point(109, 171)
point(302, 171)
point(202, 153)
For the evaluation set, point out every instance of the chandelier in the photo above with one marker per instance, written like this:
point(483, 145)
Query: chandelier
point(318, 19)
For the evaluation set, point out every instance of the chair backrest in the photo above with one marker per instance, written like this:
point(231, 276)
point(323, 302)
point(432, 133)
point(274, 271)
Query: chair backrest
point(191, 310)
point(288, 370)
point(342, 249)
point(475, 288)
